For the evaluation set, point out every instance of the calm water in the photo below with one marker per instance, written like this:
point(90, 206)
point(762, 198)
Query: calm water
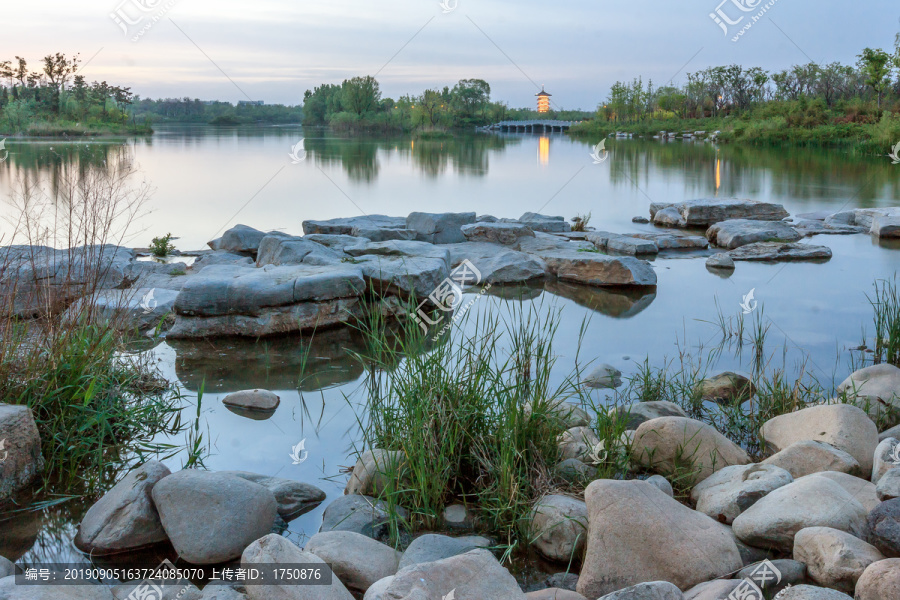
point(207, 179)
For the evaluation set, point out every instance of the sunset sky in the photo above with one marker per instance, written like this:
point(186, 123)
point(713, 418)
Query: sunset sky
point(273, 50)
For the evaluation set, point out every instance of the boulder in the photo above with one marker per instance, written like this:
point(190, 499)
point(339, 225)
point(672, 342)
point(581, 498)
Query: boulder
point(735, 233)
point(727, 387)
point(573, 470)
point(475, 574)
point(377, 589)
point(621, 244)
point(558, 527)
point(653, 590)
point(208, 258)
point(638, 534)
point(880, 580)
point(707, 211)
point(345, 226)
point(384, 234)
point(810, 456)
point(241, 511)
point(669, 444)
point(793, 572)
point(668, 217)
point(443, 228)
point(337, 242)
point(279, 249)
point(603, 376)
point(834, 559)
point(496, 264)
point(124, 519)
point(811, 592)
point(545, 223)
point(151, 274)
point(372, 473)
point(238, 239)
point(662, 483)
point(845, 427)
point(886, 227)
point(861, 489)
point(294, 498)
point(400, 249)
point(883, 528)
point(876, 389)
point(893, 432)
point(727, 493)
point(432, 547)
point(638, 413)
point(553, 594)
point(673, 240)
point(357, 560)
point(577, 443)
point(888, 486)
point(7, 567)
point(362, 514)
point(457, 516)
point(133, 309)
point(262, 400)
point(887, 457)
point(778, 251)
point(20, 449)
point(720, 261)
point(717, 589)
point(403, 276)
point(591, 268)
point(506, 234)
point(774, 520)
point(276, 550)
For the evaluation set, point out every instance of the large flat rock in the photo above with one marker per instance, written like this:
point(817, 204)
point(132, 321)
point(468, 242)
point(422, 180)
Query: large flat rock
point(345, 226)
point(592, 268)
point(735, 233)
point(706, 211)
point(506, 234)
point(778, 251)
point(439, 228)
point(496, 263)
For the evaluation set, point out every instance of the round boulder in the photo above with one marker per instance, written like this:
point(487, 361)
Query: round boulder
point(258, 400)
point(883, 528)
point(880, 580)
point(357, 560)
point(727, 493)
point(559, 527)
point(833, 558)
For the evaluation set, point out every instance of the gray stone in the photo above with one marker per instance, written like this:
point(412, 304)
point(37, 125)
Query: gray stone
point(124, 519)
point(810, 456)
point(572, 469)
point(212, 517)
point(358, 561)
point(707, 211)
point(886, 227)
point(553, 594)
point(345, 226)
point(673, 240)
point(793, 572)
point(622, 244)
point(834, 559)
point(384, 234)
point(239, 238)
point(717, 589)
point(862, 490)
point(887, 457)
point(668, 217)
point(653, 590)
point(777, 251)
point(377, 589)
point(210, 258)
point(279, 249)
point(336, 241)
point(400, 249)
point(374, 472)
point(403, 276)
point(662, 483)
point(735, 233)
point(893, 432)
point(640, 412)
point(276, 550)
point(497, 264)
point(774, 520)
point(432, 547)
point(876, 389)
point(888, 486)
point(507, 234)
point(727, 387)
point(641, 220)
point(475, 574)
point(215, 591)
point(720, 261)
point(141, 309)
point(880, 580)
point(544, 223)
point(443, 228)
point(883, 528)
point(603, 376)
point(558, 527)
point(591, 268)
point(811, 592)
point(293, 498)
point(263, 400)
point(564, 413)
point(457, 516)
point(21, 449)
point(577, 443)
point(7, 567)
point(362, 514)
point(150, 274)
point(727, 493)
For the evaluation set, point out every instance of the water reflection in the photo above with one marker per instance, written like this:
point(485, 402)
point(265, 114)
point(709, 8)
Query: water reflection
point(619, 303)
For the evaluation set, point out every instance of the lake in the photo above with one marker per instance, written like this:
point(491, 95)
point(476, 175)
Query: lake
point(207, 179)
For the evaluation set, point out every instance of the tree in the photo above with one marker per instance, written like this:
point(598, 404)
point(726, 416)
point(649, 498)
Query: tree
point(58, 69)
point(470, 97)
point(360, 95)
point(876, 67)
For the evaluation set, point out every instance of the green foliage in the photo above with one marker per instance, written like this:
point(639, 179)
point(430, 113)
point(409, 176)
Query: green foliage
point(162, 246)
point(886, 309)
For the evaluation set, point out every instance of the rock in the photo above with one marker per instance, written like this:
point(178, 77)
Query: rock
point(834, 559)
point(720, 261)
point(645, 411)
point(377, 589)
point(622, 244)
point(843, 426)
point(876, 388)
point(893, 432)
point(793, 572)
point(276, 550)
point(358, 561)
point(124, 519)
point(778, 251)
point(432, 547)
point(886, 227)
point(406, 249)
point(233, 300)
point(7, 567)
point(21, 449)
point(133, 309)
point(262, 400)
point(444, 228)
point(654, 590)
point(727, 493)
point(238, 239)
point(558, 528)
point(544, 223)
point(577, 443)
point(638, 534)
point(553, 594)
point(373, 470)
point(362, 514)
point(280, 249)
point(213, 591)
point(150, 274)
point(507, 234)
point(668, 217)
point(887, 457)
point(243, 511)
point(564, 413)
point(345, 226)
point(591, 268)
point(707, 211)
point(384, 234)
point(603, 376)
point(457, 516)
point(475, 574)
point(717, 589)
point(641, 220)
point(727, 387)
point(337, 242)
point(563, 581)
point(10, 591)
point(774, 520)
point(735, 233)
point(883, 528)
point(880, 580)
point(662, 483)
point(862, 490)
point(667, 444)
point(293, 498)
point(496, 264)
point(888, 486)
point(403, 276)
point(809, 456)
point(673, 240)
point(573, 470)
point(811, 592)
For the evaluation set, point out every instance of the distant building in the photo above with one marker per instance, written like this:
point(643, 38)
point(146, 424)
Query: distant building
point(250, 102)
point(543, 101)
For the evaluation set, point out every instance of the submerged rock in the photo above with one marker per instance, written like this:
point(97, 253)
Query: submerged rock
point(727, 387)
point(506, 234)
point(603, 376)
point(778, 251)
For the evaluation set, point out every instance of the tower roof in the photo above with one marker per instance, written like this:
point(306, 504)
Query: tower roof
point(542, 92)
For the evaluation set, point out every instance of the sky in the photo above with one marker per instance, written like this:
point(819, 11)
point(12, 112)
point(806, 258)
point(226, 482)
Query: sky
point(273, 50)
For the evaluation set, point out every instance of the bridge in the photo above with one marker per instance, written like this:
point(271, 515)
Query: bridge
point(535, 126)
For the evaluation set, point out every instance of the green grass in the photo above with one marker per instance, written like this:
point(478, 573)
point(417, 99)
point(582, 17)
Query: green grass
point(886, 309)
